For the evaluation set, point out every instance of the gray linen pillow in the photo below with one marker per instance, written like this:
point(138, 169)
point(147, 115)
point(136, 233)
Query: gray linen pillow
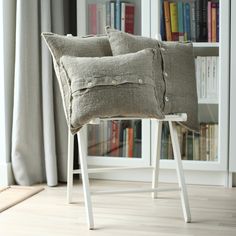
point(119, 86)
point(179, 93)
point(61, 45)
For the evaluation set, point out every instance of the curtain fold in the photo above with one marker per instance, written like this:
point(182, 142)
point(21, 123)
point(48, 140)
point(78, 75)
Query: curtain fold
point(38, 131)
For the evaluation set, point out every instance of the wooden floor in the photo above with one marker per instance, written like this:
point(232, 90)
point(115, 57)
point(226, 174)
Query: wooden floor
point(47, 214)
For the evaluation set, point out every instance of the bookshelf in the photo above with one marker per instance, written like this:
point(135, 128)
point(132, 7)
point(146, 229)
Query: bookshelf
point(213, 111)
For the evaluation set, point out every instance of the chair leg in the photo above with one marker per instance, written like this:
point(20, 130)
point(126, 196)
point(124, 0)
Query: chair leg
point(70, 163)
point(180, 173)
point(85, 178)
point(157, 152)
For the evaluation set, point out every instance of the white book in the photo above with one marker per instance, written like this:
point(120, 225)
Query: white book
point(101, 18)
point(203, 83)
point(214, 77)
point(112, 15)
point(123, 16)
point(210, 83)
point(198, 75)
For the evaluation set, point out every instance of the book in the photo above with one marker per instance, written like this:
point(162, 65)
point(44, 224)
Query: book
point(127, 17)
point(193, 20)
point(198, 13)
point(174, 21)
point(130, 142)
point(180, 21)
point(108, 13)
point(189, 145)
point(187, 23)
point(162, 21)
point(213, 23)
point(167, 20)
point(92, 15)
point(209, 20)
point(113, 14)
point(204, 32)
point(115, 139)
point(118, 14)
point(217, 22)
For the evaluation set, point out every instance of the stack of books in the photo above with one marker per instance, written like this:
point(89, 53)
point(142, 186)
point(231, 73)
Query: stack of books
point(207, 76)
point(116, 14)
point(193, 146)
point(115, 139)
point(190, 20)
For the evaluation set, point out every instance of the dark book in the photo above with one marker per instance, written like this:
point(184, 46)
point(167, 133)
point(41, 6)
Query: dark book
point(203, 29)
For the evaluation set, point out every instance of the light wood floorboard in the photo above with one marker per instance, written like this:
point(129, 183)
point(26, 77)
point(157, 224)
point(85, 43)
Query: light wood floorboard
point(47, 213)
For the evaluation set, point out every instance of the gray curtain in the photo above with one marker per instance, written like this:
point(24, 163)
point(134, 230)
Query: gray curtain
point(37, 131)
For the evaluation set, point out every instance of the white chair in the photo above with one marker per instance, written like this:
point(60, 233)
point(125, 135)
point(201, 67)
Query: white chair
point(84, 171)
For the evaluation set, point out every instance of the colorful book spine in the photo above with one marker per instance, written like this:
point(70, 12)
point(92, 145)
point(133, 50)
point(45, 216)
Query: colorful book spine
point(217, 22)
point(92, 13)
point(127, 17)
point(180, 21)
point(167, 20)
point(213, 26)
point(187, 23)
point(118, 14)
point(130, 142)
point(174, 21)
point(209, 21)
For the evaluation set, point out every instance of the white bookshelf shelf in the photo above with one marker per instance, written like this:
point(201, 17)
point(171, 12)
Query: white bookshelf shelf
point(208, 101)
point(205, 45)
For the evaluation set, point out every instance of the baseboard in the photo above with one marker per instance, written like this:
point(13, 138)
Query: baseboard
point(6, 175)
point(168, 176)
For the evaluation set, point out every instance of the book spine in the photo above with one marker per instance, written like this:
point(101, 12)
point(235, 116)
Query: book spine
point(127, 142)
point(99, 18)
point(190, 145)
point(209, 78)
point(113, 15)
point(213, 26)
point(217, 22)
point(193, 21)
point(209, 20)
point(93, 18)
point(187, 22)
point(203, 142)
point(207, 142)
point(124, 143)
point(198, 75)
point(130, 142)
point(198, 8)
point(164, 141)
point(108, 14)
point(105, 138)
point(129, 18)
point(204, 35)
point(114, 147)
point(214, 77)
point(167, 20)
point(180, 21)
point(118, 14)
point(203, 77)
point(163, 35)
point(123, 5)
point(174, 21)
